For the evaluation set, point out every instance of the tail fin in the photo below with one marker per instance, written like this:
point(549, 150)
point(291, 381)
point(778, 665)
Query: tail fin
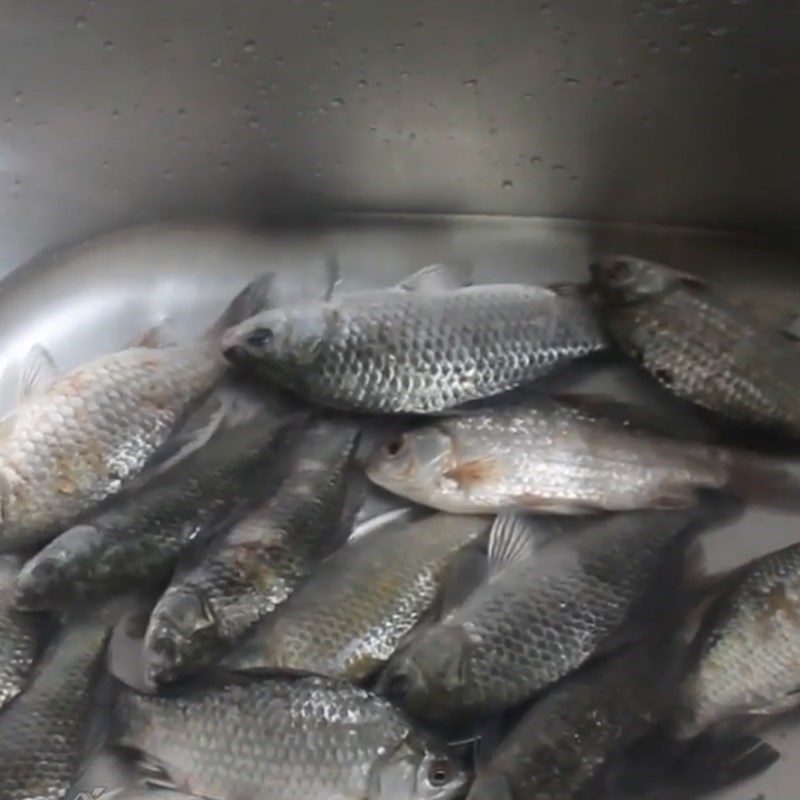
point(254, 298)
point(764, 481)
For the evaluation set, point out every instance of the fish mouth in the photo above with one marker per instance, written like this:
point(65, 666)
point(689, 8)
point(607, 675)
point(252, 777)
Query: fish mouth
point(235, 353)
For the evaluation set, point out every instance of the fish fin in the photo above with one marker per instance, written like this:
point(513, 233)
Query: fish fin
point(476, 471)
point(713, 764)
point(292, 287)
point(672, 498)
point(257, 296)
point(513, 538)
point(125, 654)
point(37, 371)
point(441, 277)
point(156, 336)
point(462, 576)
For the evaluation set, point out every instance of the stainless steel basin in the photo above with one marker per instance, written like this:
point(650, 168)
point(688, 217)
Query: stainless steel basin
point(526, 136)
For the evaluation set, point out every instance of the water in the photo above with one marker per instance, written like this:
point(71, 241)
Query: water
point(77, 306)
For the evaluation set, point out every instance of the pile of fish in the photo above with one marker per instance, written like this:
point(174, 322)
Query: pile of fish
point(534, 624)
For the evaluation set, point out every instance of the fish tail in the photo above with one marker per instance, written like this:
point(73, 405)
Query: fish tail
point(763, 481)
point(254, 298)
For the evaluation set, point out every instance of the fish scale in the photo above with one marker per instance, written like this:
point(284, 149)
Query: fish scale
point(253, 568)
point(542, 615)
point(699, 345)
point(423, 352)
point(282, 739)
point(746, 658)
point(353, 612)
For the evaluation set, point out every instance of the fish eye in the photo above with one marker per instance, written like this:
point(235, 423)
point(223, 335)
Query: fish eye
point(440, 772)
point(260, 337)
point(395, 446)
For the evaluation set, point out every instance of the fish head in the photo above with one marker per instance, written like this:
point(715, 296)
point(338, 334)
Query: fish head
point(625, 279)
point(277, 339)
point(417, 772)
point(412, 463)
point(182, 632)
point(60, 572)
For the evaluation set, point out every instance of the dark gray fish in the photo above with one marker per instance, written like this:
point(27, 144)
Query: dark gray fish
point(746, 657)
point(543, 611)
point(80, 437)
point(567, 740)
point(253, 568)
point(19, 635)
point(350, 616)
point(423, 347)
point(140, 537)
point(43, 733)
point(698, 345)
point(284, 739)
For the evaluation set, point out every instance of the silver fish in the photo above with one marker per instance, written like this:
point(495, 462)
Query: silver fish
point(360, 603)
point(559, 456)
point(284, 739)
point(699, 345)
point(249, 571)
point(139, 538)
point(43, 732)
point(543, 611)
point(746, 657)
point(19, 635)
point(422, 347)
point(80, 437)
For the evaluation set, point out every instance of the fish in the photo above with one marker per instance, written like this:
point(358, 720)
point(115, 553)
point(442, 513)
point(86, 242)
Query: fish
point(80, 437)
point(351, 615)
point(20, 635)
point(425, 346)
point(283, 739)
point(44, 733)
point(565, 455)
point(566, 741)
point(249, 571)
point(544, 610)
point(139, 538)
point(745, 659)
point(699, 345)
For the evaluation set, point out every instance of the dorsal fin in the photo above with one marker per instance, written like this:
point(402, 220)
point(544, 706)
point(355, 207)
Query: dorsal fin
point(37, 371)
point(440, 277)
point(513, 538)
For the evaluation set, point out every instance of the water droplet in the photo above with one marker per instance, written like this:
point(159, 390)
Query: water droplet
point(405, 74)
point(166, 40)
point(559, 168)
point(572, 82)
point(736, 74)
point(470, 83)
point(108, 44)
point(718, 33)
point(223, 165)
point(492, 131)
point(507, 184)
point(80, 23)
point(253, 122)
point(17, 181)
point(619, 85)
point(535, 160)
point(399, 46)
point(18, 97)
point(216, 63)
point(168, 175)
point(738, 2)
point(685, 46)
point(105, 165)
point(115, 113)
point(250, 46)
point(653, 47)
point(545, 8)
point(362, 84)
point(337, 102)
point(528, 95)
point(181, 112)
